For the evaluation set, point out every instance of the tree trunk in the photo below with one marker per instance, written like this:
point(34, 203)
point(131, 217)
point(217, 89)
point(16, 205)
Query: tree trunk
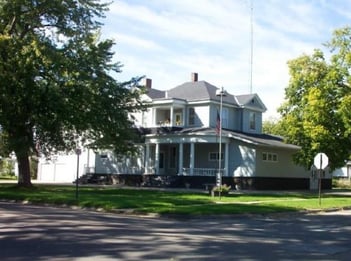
point(24, 179)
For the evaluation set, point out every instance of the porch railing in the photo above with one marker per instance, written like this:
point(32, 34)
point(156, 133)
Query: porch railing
point(201, 172)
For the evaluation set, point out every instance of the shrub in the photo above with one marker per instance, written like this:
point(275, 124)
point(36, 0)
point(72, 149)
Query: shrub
point(223, 188)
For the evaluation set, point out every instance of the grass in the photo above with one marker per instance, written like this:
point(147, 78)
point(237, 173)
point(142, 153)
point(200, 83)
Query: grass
point(167, 202)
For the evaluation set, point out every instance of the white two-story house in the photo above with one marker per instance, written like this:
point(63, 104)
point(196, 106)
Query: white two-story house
point(182, 141)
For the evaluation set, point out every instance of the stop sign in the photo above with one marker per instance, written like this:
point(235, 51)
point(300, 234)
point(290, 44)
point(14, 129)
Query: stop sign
point(321, 161)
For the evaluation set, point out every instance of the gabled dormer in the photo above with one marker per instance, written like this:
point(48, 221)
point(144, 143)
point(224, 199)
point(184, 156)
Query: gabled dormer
point(252, 108)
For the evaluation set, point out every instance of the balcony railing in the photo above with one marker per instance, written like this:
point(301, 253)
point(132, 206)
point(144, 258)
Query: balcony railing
point(168, 124)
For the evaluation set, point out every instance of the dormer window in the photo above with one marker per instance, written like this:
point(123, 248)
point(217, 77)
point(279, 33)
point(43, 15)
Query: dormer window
point(191, 120)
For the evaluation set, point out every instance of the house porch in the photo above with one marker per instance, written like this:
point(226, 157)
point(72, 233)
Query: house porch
point(185, 159)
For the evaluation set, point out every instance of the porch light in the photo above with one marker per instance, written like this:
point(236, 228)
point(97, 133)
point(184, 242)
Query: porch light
point(221, 93)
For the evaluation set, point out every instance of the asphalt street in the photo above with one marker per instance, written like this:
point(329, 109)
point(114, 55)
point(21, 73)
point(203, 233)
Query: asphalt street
point(30, 232)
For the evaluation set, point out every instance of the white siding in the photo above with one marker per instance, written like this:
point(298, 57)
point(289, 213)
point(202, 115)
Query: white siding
point(108, 163)
point(247, 164)
point(63, 168)
point(203, 116)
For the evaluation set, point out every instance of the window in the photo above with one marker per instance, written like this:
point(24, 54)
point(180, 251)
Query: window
point(178, 119)
point(252, 121)
point(214, 156)
point(270, 157)
point(191, 116)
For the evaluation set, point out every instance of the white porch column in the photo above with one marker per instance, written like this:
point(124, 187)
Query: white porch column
point(154, 123)
point(183, 117)
point(192, 158)
point(180, 168)
point(147, 158)
point(226, 159)
point(157, 159)
point(172, 116)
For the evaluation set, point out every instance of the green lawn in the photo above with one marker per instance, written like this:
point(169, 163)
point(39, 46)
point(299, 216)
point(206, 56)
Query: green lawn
point(167, 202)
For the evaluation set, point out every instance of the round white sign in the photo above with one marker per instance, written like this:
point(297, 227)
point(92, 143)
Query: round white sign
point(321, 161)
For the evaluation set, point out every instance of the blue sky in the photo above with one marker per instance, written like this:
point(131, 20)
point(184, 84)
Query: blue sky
point(167, 40)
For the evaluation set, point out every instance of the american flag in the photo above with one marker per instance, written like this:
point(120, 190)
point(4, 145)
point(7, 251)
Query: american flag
point(218, 123)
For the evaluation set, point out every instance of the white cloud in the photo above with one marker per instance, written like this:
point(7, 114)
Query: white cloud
point(136, 42)
point(166, 40)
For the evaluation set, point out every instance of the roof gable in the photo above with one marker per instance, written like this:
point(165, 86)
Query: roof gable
point(251, 101)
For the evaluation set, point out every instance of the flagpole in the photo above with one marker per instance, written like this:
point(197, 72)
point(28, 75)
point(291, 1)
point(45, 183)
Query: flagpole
point(220, 93)
point(220, 146)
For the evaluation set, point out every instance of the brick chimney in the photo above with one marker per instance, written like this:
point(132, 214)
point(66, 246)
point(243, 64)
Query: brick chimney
point(194, 77)
point(148, 83)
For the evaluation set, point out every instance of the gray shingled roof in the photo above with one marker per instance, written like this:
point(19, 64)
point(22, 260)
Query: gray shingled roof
point(197, 91)
point(263, 140)
point(256, 139)
point(155, 94)
point(246, 100)
point(202, 91)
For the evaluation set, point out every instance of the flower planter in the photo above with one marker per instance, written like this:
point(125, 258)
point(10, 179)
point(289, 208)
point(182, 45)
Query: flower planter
point(220, 190)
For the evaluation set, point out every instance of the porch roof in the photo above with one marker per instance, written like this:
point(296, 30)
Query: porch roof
point(264, 140)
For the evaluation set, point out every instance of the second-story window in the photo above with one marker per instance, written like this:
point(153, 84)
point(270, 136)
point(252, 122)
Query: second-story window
point(191, 120)
point(252, 121)
point(178, 119)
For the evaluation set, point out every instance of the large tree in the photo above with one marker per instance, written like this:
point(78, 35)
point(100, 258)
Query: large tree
point(56, 88)
point(317, 110)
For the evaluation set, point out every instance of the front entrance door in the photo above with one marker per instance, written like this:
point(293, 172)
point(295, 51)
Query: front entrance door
point(173, 153)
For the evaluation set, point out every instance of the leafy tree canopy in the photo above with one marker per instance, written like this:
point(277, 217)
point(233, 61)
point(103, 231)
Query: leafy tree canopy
point(56, 88)
point(273, 126)
point(317, 108)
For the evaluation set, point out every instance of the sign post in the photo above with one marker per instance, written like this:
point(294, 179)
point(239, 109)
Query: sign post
point(78, 152)
point(320, 161)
